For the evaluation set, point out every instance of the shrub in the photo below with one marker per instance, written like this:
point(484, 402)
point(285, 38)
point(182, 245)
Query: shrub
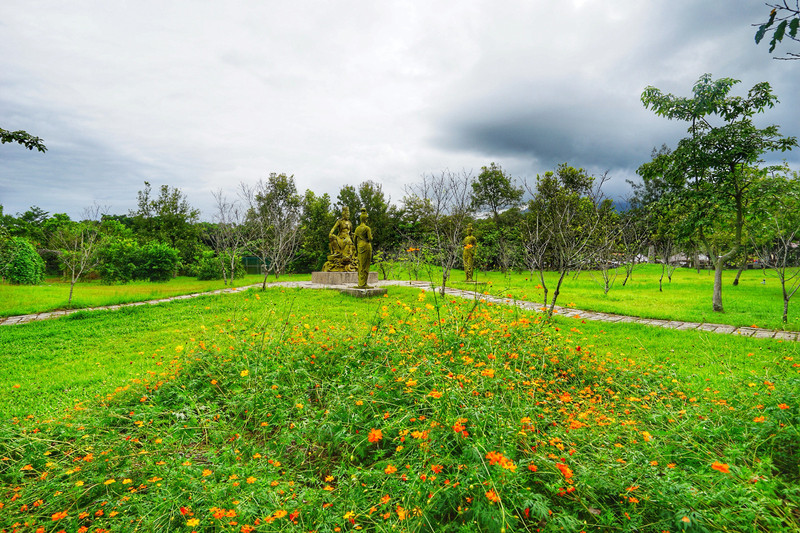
point(118, 260)
point(19, 262)
point(157, 262)
point(210, 266)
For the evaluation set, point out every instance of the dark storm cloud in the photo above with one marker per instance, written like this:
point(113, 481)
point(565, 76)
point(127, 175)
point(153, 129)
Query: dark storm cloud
point(589, 113)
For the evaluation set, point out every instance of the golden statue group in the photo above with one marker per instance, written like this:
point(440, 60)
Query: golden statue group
point(347, 256)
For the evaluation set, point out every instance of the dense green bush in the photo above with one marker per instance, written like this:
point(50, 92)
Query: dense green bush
point(209, 266)
point(118, 259)
point(20, 263)
point(123, 260)
point(157, 262)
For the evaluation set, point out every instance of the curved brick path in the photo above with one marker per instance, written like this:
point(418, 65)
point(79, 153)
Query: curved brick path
point(758, 333)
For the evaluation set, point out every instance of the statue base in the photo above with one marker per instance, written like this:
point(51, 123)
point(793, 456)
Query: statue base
point(364, 293)
point(341, 278)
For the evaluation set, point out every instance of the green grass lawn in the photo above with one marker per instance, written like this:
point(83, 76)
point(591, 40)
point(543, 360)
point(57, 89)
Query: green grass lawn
point(54, 292)
point(297, 410)
point(686, 298)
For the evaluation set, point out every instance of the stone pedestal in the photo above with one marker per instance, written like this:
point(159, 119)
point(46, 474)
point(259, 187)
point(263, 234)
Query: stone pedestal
point(363, 293)
point(341, 278)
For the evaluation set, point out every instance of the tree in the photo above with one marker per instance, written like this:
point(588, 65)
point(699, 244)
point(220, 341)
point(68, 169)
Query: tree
point(494, 190)
point(274, 218)
point(568, 209)
point(348, 197)
point(78, 244)
point(447, 196)
point(168, 218)
point(228, 235)
point(316, 222)
point(373, 200)
point(787, 20)
point(775, 233)
point(712, 172)
point(22, 137)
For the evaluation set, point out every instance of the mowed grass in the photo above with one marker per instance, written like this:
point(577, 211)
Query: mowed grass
point(54, 292)
point(687, 298)
point(292, 410)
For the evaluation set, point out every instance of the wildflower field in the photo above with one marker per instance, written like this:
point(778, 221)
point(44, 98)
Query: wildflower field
point(292, 410)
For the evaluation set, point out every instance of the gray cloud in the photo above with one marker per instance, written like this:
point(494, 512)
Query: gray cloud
point(203, 96)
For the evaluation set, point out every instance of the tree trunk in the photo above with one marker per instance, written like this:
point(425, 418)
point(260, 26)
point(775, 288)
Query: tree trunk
point(72, 287)
point(785, 309)
point(741, 268)
point(555, 293)
point(717, 299)
point(661, 279)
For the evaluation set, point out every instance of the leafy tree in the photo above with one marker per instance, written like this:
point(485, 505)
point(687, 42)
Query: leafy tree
point(711, 172)
point(494, 190)
point(371, 197)
point(168, 218)
point(316, 221)
point(786, 20)
point(22, 137)
point(348, 197)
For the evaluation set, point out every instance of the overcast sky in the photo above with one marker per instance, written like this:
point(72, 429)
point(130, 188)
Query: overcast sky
point(203, 95)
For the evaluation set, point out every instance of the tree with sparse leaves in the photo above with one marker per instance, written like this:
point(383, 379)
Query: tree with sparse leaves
point(784, 20)
point(274, 210)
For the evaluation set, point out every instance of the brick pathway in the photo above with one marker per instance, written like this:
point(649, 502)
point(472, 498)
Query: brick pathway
point(758, 333)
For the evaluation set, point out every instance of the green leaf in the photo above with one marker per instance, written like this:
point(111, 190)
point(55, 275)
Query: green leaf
point(761, 31)
point(778, 35)
point(793, 25)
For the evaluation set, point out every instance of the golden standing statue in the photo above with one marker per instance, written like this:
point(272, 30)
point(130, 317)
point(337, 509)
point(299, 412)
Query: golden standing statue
point(363, 235)
point(470, 243)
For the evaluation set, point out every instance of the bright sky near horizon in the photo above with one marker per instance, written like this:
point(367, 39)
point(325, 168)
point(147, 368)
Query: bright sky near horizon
point(205, 95)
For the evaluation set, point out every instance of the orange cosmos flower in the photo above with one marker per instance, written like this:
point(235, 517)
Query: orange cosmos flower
point(565, 470)
point(783, 406)
point(375, 435)
point(721, 467)
point(492, 496)
point(59, 515)
point(390, 469)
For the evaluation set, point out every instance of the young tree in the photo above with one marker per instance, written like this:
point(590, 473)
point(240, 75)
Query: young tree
point(776, 232)
point(711, 171)
point(78, 244)
point(228, 235)
point(570, 211)
point(274, 218)
point(447, 196)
